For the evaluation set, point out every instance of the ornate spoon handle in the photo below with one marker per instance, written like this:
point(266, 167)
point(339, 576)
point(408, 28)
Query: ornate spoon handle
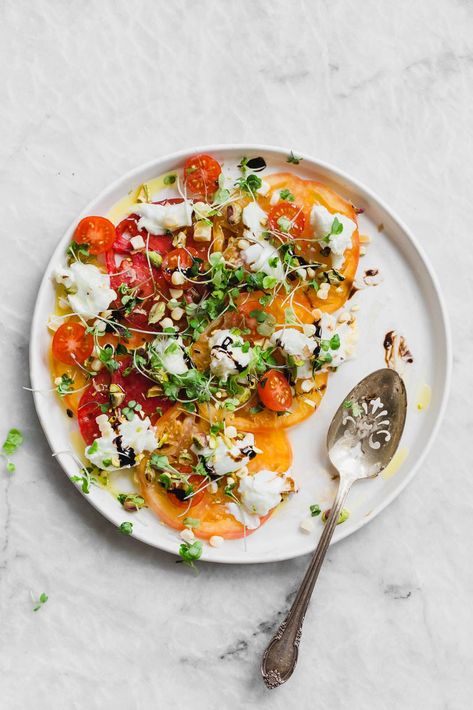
point(280, 657)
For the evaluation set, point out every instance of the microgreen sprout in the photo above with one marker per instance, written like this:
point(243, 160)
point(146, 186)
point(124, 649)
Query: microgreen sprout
point(294, 159)
point(40, 602)
point(190, 552)
point(10, 446)
point(126, 528)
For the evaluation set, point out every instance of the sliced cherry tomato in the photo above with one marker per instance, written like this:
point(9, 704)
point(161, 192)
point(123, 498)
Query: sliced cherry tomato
point(178, 495)
point(274, 391)
point(287, 218)
point(201, 174)
point(94, 397)
point(180, 260)
point(136, 387)
point(71, 344)
point(97, 232)
point(303, 406)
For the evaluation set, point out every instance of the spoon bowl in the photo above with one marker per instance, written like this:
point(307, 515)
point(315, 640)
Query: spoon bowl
point(364, 433)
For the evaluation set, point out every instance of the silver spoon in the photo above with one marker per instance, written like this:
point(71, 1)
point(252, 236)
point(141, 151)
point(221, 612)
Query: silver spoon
point(361, 441)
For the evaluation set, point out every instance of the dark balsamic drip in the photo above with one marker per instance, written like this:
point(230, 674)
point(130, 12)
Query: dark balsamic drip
point(249, 452)
point(388, 340)
point(256, 164)
point(127, 457)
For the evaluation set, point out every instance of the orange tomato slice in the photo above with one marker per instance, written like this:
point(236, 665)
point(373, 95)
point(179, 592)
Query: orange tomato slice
point(308, 193)
point(212, 511)
point(303, 406)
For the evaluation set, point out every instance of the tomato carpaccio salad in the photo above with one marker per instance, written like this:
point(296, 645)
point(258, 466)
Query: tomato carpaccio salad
point(189, 336)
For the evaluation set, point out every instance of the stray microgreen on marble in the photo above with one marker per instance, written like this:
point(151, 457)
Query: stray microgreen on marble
point(10, 446)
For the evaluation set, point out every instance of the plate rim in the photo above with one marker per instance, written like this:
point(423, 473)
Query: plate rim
point(443, 324)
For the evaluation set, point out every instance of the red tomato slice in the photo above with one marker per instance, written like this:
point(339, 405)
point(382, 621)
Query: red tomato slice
point(201, 174)
point(97, 232)
point(95, 395)
point(128, 228)
point(125, 230)
point(71, 344)
point(287, 218)
point(135, 272)
point(180, 260)
point(275, 392)
point(196, 482)
point(135, 385)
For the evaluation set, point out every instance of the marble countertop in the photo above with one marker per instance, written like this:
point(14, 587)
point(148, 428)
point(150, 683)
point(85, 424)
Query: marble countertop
point(384, 91)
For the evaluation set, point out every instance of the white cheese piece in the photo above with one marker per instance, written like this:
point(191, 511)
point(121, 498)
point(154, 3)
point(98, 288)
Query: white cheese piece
point(262, 491)
point(55, 322)
point(275, 197)
point(137, 434)
point(297, 345)
point(202, 210)
point(247, 519)
point(322, 220)
point(258, 257)
point(103, 449)
point(264, 189)
point(202, 231)
point(171, 353)
point(137, 242)
point(226, 354)
point(347, 333)
point(307, 525)
point(222, 458)
point(157, 219)
point(88, 288)
point(255, 219)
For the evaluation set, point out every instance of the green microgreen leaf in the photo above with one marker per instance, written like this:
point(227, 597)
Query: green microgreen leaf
point(43, 598)
point(126, 528)
point(190, 552)
point(295, 159)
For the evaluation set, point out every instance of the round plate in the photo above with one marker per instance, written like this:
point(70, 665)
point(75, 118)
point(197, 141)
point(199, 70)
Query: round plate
point(408, 300)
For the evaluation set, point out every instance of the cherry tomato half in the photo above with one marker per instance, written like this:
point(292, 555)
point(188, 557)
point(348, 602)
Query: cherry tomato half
point(201, 174)
point(71, 344)
point(287, 218)
point(98, 232)
point(180, 260)
point(196, 482)
point(275, 392)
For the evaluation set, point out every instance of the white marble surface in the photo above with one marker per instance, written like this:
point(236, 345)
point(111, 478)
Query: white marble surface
point(90, 89)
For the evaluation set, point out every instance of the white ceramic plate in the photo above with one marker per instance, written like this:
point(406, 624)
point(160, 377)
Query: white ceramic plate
point(408, 300)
